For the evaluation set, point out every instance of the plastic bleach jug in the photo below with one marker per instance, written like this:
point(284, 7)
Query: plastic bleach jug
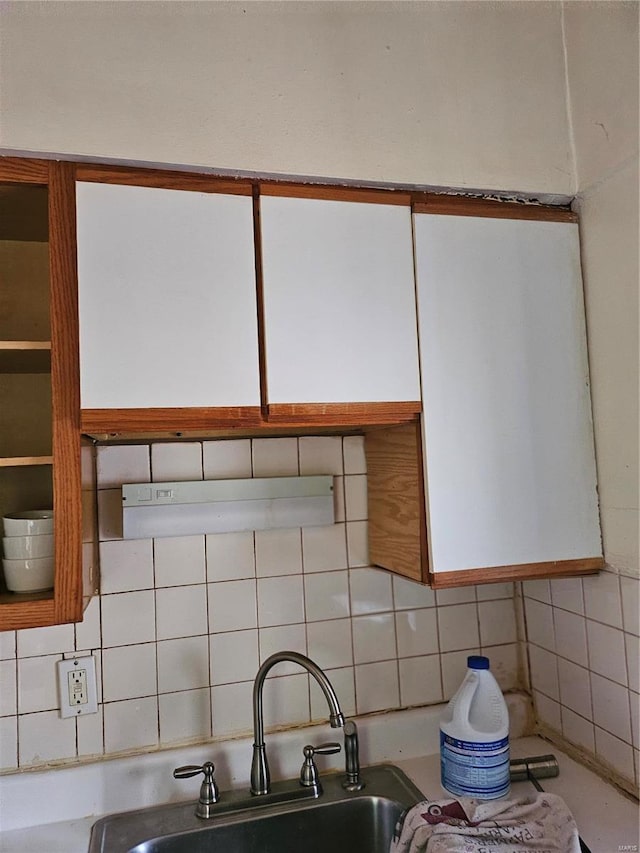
point(474, 736)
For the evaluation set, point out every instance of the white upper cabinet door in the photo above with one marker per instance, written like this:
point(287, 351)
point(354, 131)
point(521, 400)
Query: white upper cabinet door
point(167, 298)
point(509, 459)
point(339, 301)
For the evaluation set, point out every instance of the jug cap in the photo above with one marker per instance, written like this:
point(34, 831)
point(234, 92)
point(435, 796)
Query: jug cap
point(477, 662)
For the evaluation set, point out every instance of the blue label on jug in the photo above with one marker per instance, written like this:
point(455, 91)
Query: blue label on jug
point(472, 769)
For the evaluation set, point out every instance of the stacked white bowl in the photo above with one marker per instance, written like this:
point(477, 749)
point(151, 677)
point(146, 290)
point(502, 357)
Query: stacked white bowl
point(27, 547)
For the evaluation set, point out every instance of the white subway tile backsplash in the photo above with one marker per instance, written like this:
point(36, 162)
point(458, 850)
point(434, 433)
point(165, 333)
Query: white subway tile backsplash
point(232, 606)
point(324, 549)
point(456, 595)
point(355, 461)
point(45, 737)
point(409, 595)
point(233, 656)
point(280, 638)
point(227, 460)
point(629, 589)
point(330, 643)
point(8, 688)
point(181, 611)
point(571, 636)
point(497, 622)
point(544, 672)
point(37, 684)
point(567, 594)
point(547, 711)
point(577, 730)
point(611, 707)
point(539, 589)
point(275, 457)
point(505, 665)
point(90, 732)
point(374, 638)
point(230, 556)
point(127, 618)
point(615, 752)
point(183, 664)
point(185, 715)
point(357, 543)
point(129, 672)
point(126, 565)
point(232, 708)
point(179, 560)
point(420, 681)
point(326, 596)
point(132, 724)
point(286, 700)
point(45, 641)
point(540, 629)
point(634, 706)
point(7, 645)
point(458, 627)
point(278, 552)
point(355, 496)
point(633, 661)
point(575, 687)
point(417, 632)
point(377, 686)
point(370, 591)
point(8, 743)
point(602, 598)
point(89, 631)
point(110, 514)
point(176, 461)
point(607, 651)
point(320, 455)
point(280, 601)
point(492, 591)
point(339, 510)
point(126, 463)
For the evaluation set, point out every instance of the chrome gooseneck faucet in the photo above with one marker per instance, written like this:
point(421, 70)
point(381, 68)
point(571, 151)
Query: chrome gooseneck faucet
point(260, 779)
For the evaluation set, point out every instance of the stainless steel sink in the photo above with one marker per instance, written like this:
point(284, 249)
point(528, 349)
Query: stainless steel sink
point(337, 821)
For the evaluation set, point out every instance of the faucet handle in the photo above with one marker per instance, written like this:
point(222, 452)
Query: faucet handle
point(309, 771)
point(208, 790)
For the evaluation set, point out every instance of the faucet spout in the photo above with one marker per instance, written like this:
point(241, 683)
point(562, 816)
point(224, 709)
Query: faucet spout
point(260, 779)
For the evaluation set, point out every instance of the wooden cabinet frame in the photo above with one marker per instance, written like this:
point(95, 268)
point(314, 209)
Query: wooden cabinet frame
point(72, 583)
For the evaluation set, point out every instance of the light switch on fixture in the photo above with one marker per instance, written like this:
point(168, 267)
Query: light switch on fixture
point(77, 686)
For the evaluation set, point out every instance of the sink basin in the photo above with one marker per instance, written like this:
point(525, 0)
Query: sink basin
point(337, 821)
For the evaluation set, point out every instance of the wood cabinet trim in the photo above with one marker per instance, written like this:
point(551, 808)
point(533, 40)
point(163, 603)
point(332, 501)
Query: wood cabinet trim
point(24, 170)
point(28, 612)
point(362, 195)
point(65, 384)
point(349, 414)
point(525, 571)
point(162, 179)
point(172, 420)
point(452, 205)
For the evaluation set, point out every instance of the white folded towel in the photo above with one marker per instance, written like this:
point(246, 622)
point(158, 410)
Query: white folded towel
point(538, 822)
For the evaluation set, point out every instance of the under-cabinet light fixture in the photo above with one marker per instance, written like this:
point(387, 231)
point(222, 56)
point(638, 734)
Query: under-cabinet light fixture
point(223, 506)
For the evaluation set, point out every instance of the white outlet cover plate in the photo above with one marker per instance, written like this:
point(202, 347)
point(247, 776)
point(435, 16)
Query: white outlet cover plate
point(65, 667)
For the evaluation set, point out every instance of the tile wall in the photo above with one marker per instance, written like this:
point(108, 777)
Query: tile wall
point(583, 658)
point(182, 624)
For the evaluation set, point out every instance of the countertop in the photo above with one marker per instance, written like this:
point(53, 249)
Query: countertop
point(607, 820)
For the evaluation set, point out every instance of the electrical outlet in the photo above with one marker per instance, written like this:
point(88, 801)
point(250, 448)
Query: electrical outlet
point(77, 686)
